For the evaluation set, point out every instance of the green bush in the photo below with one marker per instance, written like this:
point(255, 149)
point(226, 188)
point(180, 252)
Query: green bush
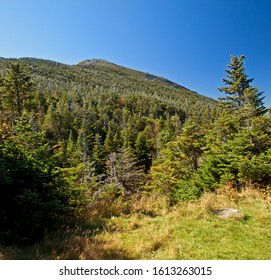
point(34, 197)
point(185, 190)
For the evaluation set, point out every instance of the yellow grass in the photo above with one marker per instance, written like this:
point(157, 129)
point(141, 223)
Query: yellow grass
point(150, 229)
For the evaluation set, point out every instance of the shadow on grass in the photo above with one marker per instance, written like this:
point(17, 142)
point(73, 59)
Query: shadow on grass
point(69, 244)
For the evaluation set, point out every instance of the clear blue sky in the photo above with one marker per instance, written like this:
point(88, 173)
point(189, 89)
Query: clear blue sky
point(186, 41)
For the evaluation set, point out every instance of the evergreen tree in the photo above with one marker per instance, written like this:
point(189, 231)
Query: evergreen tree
point(237, 156)
point(142, 151)
point(240, 95)
point(191, 142)
point(50, 124)
point(16, 89)
point(238, 140)
point(98, 156)
point(117, 140)
point(123, 171)
point(34, 195)
point(108, 142)
point(173, 170)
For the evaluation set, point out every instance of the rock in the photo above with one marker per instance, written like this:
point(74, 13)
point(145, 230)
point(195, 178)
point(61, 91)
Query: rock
point(90, 62)
point(227, 213)
point(151, 77)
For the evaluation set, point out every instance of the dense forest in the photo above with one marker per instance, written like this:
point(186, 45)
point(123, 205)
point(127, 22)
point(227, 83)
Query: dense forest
point(77, 138)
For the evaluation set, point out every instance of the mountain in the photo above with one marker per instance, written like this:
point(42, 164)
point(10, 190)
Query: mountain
point(74, 135)
point(96, 101)
point(98, 107)
point(99, 73)
point(122, 70)
point(87, 142)
point(102, 101)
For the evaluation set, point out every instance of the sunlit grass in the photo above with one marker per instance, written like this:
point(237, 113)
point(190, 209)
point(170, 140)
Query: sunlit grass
point(153, 230)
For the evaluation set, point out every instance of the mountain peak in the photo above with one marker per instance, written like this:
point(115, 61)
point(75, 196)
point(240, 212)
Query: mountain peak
point(146, 76)
point(91, 62)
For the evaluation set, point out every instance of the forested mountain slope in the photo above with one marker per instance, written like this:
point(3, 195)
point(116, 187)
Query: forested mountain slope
point(72, 134)
point(100, 102)
point(76, 139)
point(100, 75)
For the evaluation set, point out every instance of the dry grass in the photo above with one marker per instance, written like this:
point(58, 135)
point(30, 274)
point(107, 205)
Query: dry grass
point(149, 229)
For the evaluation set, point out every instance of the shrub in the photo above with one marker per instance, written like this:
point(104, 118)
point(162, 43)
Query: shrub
point(34, 196)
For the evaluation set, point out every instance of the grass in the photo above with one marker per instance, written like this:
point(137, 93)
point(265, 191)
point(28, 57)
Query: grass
point(151, 229)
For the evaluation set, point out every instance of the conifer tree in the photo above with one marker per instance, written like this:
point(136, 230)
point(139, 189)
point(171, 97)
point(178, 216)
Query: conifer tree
point(108, 142)
point(240, 95)
point(175, 166)
point(117, 140)
point(98, 156)
point(142, 151)
point(123, 171)
point(16, 87)
point(191, 143)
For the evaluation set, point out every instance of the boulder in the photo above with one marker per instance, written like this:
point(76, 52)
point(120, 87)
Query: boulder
point(227, 213)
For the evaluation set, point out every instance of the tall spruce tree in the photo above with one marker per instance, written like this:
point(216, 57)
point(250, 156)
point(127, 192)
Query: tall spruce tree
point(237, 146)
point(16, 87)
point(240, 95)
point(98, 156)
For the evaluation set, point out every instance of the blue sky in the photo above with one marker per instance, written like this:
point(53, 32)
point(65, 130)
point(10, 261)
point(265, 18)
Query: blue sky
point(186, 41)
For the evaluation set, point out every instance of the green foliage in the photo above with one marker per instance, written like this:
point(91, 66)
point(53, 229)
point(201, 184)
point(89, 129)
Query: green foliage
point(16, 87)
point(173, 171)
point(99, 156)
point(26, 205)
point(96, 131)
point(240, 95)
point(185, 190)
point(142, 151)
point(34, 195)
point(243, 160)
point(238, 143)
point(123, 171)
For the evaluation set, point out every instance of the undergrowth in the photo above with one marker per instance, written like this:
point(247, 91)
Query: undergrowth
point(148, 228)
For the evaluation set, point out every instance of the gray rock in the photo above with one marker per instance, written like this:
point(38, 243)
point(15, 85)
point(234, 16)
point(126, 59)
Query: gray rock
point(149, 76)
point(227, 213)
point(90, 62)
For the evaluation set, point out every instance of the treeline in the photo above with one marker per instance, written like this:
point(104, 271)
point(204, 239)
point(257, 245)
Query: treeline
point(71, 137)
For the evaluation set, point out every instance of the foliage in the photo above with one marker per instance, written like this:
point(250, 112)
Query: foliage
point(240, 95)
point(93, 135)
point(34, 195)
point(16, 87)
point(175, 166)
point(242, 161)
point(123, 172)
point(238, 145)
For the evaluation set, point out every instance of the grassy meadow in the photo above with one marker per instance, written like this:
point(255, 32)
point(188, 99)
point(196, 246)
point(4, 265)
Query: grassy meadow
point(148, 228)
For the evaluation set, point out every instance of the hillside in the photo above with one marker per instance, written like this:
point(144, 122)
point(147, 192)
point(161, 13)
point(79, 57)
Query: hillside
point(104, 75)
point(97, 125)
point(83, 144)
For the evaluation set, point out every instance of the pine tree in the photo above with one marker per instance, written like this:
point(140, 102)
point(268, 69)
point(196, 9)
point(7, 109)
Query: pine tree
point(142, 151)
point(117, 140)
point(16, 87)
point(174, 169)
point(191, 143)
point(50, 124)
point(240, 95)
point(98, 156)
point(123, 171)
point(108, 142)
point(238, 140)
